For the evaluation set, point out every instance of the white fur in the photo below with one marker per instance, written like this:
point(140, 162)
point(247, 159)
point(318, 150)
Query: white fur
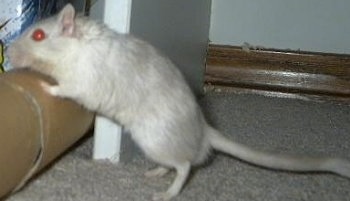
point(129, 81)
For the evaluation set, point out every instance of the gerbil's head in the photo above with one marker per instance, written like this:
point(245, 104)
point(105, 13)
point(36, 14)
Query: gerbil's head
point(46, 43)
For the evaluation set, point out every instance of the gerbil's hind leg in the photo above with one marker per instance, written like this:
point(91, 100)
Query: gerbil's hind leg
point(157, 172)
point(182, 172)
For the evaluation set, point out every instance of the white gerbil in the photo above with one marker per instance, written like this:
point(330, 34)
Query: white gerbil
point(129, 81)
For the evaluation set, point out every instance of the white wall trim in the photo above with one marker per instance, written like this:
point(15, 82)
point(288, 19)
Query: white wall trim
point(117, 14)
point(107, 136)
point(107, 140)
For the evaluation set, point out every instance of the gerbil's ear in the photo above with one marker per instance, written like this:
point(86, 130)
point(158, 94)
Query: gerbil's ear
point(66, 20)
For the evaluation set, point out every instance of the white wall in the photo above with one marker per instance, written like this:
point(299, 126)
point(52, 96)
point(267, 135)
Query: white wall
point(312, 25)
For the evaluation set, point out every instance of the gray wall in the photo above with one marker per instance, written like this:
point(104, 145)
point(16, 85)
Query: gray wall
point(313, 25)
point(179, 28)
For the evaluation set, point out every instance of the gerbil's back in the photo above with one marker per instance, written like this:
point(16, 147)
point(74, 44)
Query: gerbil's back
point(136, 74)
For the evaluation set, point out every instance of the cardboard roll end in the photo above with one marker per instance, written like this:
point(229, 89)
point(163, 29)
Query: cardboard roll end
point(35, 128)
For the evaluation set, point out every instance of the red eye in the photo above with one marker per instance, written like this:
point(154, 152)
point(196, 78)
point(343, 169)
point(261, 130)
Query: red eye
point(38, 35)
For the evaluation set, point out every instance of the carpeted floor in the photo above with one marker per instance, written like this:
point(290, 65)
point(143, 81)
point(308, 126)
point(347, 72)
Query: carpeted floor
point(281, 125)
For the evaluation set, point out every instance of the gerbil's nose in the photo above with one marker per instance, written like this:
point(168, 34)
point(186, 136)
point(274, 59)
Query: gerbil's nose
point(16, 56)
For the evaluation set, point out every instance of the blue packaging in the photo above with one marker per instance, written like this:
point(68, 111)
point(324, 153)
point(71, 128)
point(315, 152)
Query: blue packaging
point(15, 17)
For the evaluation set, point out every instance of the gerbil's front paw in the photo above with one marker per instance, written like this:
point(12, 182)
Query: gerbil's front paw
point(50, 89)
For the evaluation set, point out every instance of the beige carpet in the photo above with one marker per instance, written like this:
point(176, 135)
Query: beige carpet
point(267, 123)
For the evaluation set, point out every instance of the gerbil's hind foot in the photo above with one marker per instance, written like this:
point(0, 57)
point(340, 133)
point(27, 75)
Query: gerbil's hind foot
point(182, 172)
point(156, 172)
point(162, 196)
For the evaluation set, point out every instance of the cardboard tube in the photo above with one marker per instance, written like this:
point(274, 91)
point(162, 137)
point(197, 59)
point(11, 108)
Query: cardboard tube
point(35, 128)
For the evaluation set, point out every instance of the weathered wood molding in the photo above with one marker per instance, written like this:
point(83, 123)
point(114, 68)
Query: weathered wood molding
point(272, 70)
